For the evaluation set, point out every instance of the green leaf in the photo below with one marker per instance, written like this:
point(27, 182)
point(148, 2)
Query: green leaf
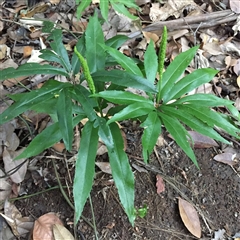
point(26, 101)
point(85, 167)
point(128, 3)
point(192, 122)
point(121, 97)
point(88, 104)
point(150, 62)
point(121, 170)
point(189, 83)
point(116, 41)
point(75, 60)
point(203, 99)
point(152, 130)
point(211, 118)
point(104, 5)
point(56, 44)
point(29, 69)
point(132, 111)
point(83, 5)
point(46, 139)
point(180, 135)
point(175, 70)
point(65, 117)
point(126, 62)
point(125, 79)
point(94, 54)
point(120, 8)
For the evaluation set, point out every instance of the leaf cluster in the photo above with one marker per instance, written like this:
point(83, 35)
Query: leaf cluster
point(167, 104)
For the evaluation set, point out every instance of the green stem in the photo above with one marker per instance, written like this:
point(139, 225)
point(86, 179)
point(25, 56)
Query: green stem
point(161, 59)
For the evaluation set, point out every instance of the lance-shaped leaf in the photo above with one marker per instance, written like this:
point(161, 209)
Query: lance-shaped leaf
point(121, 170)
point(85, 167)
point(132, 111)
point(126, 62)
point(179, 133)
point(88, 104)
point(175, 70)
point(116, 41)
point(95, 55)
point(104, 5)
point(211, 118)
point(125, 79)
point(29, 69)
point(189, 83)
point(82, 6)
point(152, 130)
point(150, 62)
point(47, 138)
point(26, 101)
point(193, 122)
point(121, 97)
point(65, 117)
point(120, 8)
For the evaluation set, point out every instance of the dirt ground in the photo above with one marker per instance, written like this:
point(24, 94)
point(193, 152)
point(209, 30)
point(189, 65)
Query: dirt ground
point(214, 191)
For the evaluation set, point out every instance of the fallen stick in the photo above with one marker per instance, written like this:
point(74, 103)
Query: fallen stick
point(192, 22)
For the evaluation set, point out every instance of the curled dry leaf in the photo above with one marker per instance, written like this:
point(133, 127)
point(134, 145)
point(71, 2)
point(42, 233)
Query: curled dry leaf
point(19, 225)
point(160, 184)
point(189, 217)
point(61, 233)
point(43, 226)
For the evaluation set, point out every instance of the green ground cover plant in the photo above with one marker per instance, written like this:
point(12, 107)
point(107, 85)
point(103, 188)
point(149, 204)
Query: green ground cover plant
point(167, 104)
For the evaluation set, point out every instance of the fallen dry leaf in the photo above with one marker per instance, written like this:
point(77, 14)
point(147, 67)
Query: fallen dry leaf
point(201, 141)
point(10, 164)
point(104, 166)
point(160, 184)
point(61, 233)
point(227, 157)
point(19, 225)
point(189, 217)
point(5, 188)
point(43, 226)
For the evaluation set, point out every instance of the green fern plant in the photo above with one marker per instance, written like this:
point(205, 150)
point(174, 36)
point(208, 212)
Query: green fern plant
point(167, 104)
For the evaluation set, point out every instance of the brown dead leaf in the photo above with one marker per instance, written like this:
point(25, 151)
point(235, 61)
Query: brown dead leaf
point(189, 217)
point(10, 164)
point(43, 226)
point(27, 51)
point(5, 188)
point(19, 225)
point(171, 8)
point(160, 184)
point(104, 166)
point(61, 233)
point(227, 158)
point(201, 141)
point(59, 147)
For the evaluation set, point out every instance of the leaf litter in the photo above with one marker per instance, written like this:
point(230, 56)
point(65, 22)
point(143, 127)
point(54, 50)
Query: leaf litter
point(215, 48)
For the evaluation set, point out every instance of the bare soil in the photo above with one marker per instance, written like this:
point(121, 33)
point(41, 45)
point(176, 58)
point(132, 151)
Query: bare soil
point(214, 191)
